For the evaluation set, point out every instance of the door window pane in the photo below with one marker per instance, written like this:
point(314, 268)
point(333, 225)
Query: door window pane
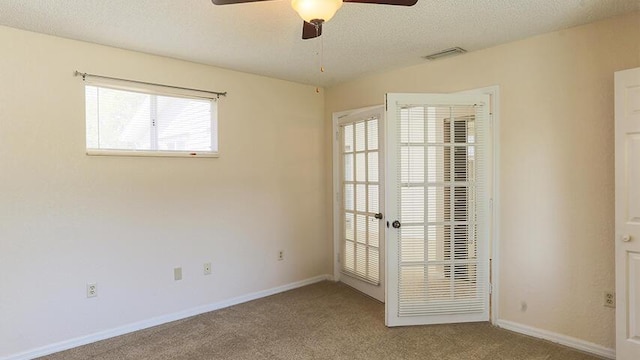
point(360, 136)
point(348, 138)
point(372, 166)
point(348, 167)
point(348, 197)
point(361, 167)
point(372, 134)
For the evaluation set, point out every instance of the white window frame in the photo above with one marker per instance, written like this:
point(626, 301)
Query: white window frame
point(157, 90)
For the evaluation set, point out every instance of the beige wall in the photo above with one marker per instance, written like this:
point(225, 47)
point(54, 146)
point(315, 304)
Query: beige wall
point(556, 164)
point(67, 219)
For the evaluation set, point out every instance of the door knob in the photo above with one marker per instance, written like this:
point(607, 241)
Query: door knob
point(396, 224)
point(626, 238)
point(378, 216)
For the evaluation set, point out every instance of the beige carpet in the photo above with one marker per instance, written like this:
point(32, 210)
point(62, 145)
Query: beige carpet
point(320, 321)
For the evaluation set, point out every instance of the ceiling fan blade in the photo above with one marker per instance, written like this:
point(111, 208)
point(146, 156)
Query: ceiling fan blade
point(385, 2)
point(310, 31)
point(230, 2)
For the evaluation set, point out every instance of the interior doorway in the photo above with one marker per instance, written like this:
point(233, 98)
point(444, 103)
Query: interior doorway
point(460, 253)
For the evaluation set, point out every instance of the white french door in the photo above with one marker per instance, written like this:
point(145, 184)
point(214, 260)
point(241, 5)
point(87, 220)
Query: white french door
point(361, 194)
point(438, 163)
point(627, 149)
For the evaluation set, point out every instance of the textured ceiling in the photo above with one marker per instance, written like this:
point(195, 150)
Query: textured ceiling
point(265, 37)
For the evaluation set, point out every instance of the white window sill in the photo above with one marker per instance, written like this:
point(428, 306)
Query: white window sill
point(149, 153)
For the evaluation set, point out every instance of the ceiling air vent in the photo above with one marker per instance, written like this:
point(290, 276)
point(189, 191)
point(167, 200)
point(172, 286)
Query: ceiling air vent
point(445, 53)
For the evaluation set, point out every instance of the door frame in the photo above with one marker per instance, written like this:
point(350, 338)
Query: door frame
point(494, 201)
point(337, 188)
point(494, 237)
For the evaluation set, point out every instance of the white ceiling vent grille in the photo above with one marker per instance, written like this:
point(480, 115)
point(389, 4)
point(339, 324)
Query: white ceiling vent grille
point(445, 53)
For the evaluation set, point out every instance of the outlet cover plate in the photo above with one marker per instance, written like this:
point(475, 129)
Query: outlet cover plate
point(92, 290)
point(609, 299)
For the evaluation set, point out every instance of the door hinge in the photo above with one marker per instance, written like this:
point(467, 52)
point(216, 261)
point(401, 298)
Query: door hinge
point(338, 258)
point(337, 135)
point(490, 288)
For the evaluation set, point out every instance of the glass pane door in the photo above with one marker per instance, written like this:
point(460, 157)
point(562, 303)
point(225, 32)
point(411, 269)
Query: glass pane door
point(362, 234)
point(439, 267)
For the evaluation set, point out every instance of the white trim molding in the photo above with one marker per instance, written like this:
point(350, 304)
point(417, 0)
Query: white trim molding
point(126, 329)
point(565, 340)
point(494, 92)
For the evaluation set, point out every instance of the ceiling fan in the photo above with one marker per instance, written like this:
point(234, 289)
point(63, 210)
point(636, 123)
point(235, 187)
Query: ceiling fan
point(316, 12)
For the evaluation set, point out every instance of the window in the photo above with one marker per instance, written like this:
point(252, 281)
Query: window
point(149, 123)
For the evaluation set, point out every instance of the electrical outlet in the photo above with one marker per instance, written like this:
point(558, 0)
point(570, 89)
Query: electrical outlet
point(177, 273)
point(609, 299)
point(281, 255)
point(207, 269)
point(92, 290)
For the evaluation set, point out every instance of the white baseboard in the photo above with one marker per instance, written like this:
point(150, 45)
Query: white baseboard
point(102, 335)
point(558, 338)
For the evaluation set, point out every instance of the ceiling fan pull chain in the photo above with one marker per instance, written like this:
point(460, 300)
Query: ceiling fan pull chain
point(321, 54)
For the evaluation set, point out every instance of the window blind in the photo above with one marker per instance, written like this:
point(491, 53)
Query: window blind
point(442, 197)
point(360, 180)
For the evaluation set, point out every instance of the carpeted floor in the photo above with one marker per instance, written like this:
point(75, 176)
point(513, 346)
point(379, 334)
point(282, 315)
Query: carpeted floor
point(320, 321)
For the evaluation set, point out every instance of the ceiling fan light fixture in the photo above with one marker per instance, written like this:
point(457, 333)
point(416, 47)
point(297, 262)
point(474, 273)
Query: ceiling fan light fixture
point(310, 10)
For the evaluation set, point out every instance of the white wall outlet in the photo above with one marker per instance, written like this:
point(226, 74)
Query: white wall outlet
point(92, 290)
point(177, 273)
point(609, 299)
point(207, 269)
point(280, 255)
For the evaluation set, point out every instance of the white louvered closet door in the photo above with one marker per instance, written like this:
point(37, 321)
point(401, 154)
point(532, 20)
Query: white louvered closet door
point(438, 209)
